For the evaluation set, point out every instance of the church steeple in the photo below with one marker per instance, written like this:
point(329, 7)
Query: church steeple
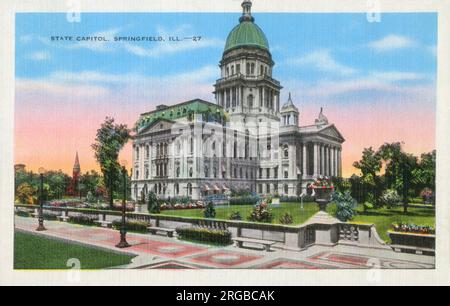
point(247, 12)
point(76, 166)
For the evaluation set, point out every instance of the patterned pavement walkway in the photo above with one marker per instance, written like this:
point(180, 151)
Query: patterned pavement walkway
point(160, 252)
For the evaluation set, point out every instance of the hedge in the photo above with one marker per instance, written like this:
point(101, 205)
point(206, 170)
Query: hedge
point(244, 201)
point(23, 213)
point(132, 226)
point(215, 236)
point(83, 219)
point(294, 199)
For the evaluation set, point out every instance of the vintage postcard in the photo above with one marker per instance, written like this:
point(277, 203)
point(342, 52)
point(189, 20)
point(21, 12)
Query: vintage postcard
point(227, 136)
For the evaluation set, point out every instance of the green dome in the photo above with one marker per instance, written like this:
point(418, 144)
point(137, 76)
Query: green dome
point(247, 33)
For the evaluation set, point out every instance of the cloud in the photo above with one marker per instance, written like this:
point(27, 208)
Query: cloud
point(203, 74)
point(39, 56)
point(391, 42)
point(323, 61)
point(394, 76)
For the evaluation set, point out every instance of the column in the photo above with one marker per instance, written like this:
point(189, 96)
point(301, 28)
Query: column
point(304, 160)
point(336, 173)
point(292, 159)
point(316, 159)
point(322, 160)
point(329, 161)
point(340, 162)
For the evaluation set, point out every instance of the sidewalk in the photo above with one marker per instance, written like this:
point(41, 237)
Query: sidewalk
point(161, 252)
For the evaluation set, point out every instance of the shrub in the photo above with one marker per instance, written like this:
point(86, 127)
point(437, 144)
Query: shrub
point(261, 213)
point(83, 219)
point(210, 211)
point(236, 216)
point(248, 200)
point(132, 225)
point(427, 195)
point(154, 206)
point(23, 213)
point(216, 236)
point(390, 198)
point(51, 216)
point(345, 206)
point(286, 219)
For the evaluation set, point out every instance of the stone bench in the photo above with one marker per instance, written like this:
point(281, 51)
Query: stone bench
point(104, 223)
point(265, 243)
point(62, 218)
point(153, 230)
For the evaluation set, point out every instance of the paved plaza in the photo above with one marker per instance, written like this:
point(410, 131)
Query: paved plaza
point(160, 252)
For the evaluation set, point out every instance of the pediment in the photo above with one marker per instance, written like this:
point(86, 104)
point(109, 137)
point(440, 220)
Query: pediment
point(157, 126)
point(333, 132)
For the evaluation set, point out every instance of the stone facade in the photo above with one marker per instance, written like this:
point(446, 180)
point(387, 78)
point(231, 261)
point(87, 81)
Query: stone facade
point(246, 140)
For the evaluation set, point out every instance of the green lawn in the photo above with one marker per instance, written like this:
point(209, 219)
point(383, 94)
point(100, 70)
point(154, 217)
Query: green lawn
point(383, 218)
point(33, 252)
point(299, 215)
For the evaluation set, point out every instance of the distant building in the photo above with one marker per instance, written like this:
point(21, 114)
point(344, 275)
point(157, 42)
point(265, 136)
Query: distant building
point(73, 189)
point(246, 140)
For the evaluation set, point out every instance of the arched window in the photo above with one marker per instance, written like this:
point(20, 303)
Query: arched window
point(191, 172)
point(178, 171)
point(206, 171)
point(137, 153)
point(176, 189)
point(286, 189)
point(286, 152)
point(136, 191)
point(147, 152)
point(192, 145)
point(189, 189)
point(215, 172)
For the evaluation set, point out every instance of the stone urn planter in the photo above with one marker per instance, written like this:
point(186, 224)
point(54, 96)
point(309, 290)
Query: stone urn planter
point(323, 196)
point(323, 189)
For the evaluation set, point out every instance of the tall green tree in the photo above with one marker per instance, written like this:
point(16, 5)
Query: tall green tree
point(391, 154)
point(370, 166)
point(110, 140)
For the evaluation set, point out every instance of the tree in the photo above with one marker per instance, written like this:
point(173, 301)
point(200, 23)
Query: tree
point(369, 165)
point(25, 192)
point(111, 138)
point(89, 182)
point(390, 154)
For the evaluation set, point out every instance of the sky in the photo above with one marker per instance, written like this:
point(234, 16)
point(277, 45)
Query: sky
point(375, 80)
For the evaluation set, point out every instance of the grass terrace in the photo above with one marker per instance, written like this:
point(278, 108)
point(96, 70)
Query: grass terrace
point(34, 252)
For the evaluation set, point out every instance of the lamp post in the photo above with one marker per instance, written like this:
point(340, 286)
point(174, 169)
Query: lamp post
point(41, 226)
point(123, 227)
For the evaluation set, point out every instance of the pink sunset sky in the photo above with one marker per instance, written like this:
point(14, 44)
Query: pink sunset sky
point(53, 121)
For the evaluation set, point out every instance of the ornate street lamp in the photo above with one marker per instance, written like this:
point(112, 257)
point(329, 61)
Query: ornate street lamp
point(123, 227)
point(41, 227)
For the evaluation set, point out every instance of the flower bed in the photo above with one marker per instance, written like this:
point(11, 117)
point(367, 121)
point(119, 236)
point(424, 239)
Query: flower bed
point(180, 206)
point(413, 228)
point(215, 236)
